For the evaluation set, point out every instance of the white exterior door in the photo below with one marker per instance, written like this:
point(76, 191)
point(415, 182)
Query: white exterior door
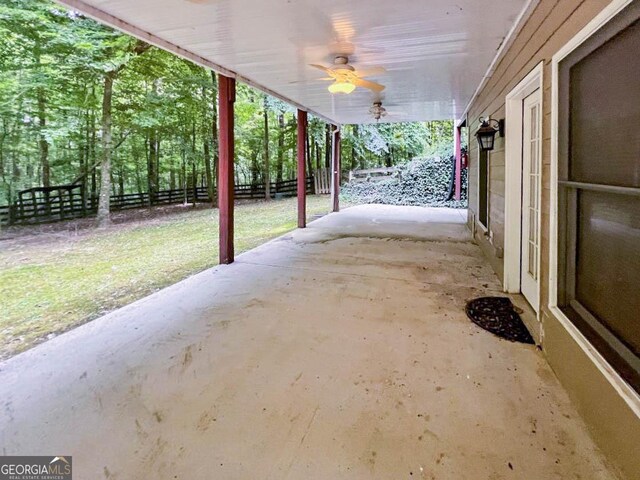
point(531, 166)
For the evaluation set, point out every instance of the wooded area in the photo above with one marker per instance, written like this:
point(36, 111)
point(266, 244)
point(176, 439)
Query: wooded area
point(82, 103)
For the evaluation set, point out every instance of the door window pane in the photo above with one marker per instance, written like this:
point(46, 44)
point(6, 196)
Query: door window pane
point(483, 191)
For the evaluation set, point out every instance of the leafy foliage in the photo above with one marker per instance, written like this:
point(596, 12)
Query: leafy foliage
point(421, 182)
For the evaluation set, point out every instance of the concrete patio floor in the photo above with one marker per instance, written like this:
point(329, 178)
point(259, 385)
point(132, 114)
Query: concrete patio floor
point(339, 351)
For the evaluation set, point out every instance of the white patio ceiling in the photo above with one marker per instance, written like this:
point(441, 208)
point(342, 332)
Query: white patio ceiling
point(436, 52)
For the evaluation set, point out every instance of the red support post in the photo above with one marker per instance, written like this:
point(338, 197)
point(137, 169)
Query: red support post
point(458, 155)
point(226, 99)
point(336, 169)
point(302, 176)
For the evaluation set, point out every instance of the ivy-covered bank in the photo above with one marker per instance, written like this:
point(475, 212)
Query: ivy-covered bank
point(421, 182)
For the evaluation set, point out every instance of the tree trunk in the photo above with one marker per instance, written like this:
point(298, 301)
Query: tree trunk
point(152, 186)
point(157, 165)
point(207, 168)
point(185, 179)
point(194, 181)
point(206, 146)
point(172, 179)
point(255, 168)
point(85, 160)
point(92, 158)
point(194, 173)
point(214, 140)
point(104, 213)
point(138, 179)
point(42, 142)
point(267, 176)
point(327, 146)
point(280, 158)
point(318, 156)
point(308, 152)
point(2, 166)
point(358, 161)
point(121, 181)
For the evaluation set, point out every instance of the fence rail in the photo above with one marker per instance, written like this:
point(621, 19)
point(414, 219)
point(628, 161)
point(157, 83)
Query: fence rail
point(371, 174)
point(322, 181)
point(36, 210)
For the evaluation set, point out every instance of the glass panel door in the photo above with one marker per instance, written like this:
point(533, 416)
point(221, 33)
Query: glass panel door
point(531, 157)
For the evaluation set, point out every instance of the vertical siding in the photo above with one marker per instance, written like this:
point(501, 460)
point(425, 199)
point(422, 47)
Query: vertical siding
point(551, 25)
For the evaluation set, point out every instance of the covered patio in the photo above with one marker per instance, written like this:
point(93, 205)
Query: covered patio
point(338, 351)
point(344, 62)
point(342, 350)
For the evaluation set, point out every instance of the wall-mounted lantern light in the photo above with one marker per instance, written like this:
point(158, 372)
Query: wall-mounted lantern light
point(487, 132)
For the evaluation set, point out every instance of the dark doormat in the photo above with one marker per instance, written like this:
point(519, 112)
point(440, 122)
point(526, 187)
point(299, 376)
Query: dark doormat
point(498, 316)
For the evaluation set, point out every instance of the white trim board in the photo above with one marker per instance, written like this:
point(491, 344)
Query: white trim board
point(629, 395)
point(513, 178)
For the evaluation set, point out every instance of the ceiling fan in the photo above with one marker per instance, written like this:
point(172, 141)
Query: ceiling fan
point(377, 111)
point(346, 78)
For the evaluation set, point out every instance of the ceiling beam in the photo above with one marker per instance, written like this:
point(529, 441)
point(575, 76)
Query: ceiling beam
point(125, 27)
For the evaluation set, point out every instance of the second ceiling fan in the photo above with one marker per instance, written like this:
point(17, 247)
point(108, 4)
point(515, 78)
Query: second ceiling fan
point(346, 78)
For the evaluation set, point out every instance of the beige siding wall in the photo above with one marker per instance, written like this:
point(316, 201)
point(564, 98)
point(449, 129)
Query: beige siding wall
point(551, 25)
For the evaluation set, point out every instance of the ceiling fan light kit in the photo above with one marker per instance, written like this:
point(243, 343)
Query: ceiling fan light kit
point(341, 87)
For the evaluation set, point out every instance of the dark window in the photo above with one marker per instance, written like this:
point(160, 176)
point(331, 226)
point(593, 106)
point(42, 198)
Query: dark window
point(483, 190)
point(599, 191)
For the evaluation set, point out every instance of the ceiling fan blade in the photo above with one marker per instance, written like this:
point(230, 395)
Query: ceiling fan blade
point(320, 67)
point(312, 80)
point(376, 87)
point(342, 48)
point(368, 72)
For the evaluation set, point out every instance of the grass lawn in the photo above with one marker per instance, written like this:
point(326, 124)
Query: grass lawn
point(50, 283)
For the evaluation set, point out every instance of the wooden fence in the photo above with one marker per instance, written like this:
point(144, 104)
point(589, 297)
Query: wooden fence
point(322, 181)
point(56, 207)
point(371, 174)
